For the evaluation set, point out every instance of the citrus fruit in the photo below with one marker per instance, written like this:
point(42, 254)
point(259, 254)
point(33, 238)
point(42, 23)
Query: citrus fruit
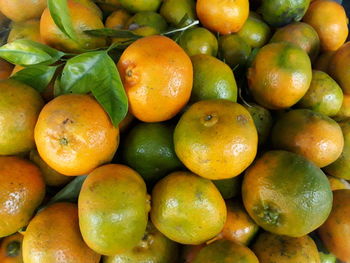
point(21, 10)
point(147, 19)
point(135, 6)
point(310, 134)
point(113, 209)
point(22, 189)
point(344, 112)
point(66, 134)
point(11, 249)
point(157, 76)
point(175, 10)
point(19, 110)
point(28, 30)
point(5, 69)
point(341, 167)
point(229, 187)
point(255, 31)
point(83, 18)
point(224, 17)
point(262, 119)
point(279, 13)
point(51, 177)
point(117, 19)
point(329, 19)
point(339, 67)
point(216, 139)
point(199, 41)
point(234, 50)
point(153, 248)
point(189, 252)
point(225, 251)
point(126, 122)
point(239, 227)
point(324, 95)
point(149, 149)
point(286, 194)
point(109, 6)
point(212, 79)
point(282, 249)
point(53, 236)
point(335, 232)
point(90, 4)
point(280, 75)
point(301, 34)
point(337, 183)
point(187, 208)
point(323, 61)
point(327, 258)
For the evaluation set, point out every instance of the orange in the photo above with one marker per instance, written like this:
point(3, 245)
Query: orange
point(28, 30)
point(344, 112)
point(53, 236)
point(187, 209)
point(216, 139)
point(19, 110)
point(22, 189)
point(329, 19)
point(174, 10)
point(118, 19)
point(136, 6)
point(5, 69)
point(310, 134)
point(335, 232)
point(286, 194)
point(11, 249)
point(239, 227)
point(323, 60)
point(21, 10)
point(301, 34)
point(280, 75)
point(83, 18)
point(108, 6)
point(282, 249)
point(189, 252)
point(338, 183)
point(74, 134)
point(113, 209)
point(157, 75)
point(339, 67)
point(224, 17)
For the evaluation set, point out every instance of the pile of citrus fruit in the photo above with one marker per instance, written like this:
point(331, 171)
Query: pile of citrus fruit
point(174, 131)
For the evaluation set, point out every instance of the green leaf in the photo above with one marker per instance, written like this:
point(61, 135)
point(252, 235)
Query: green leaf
point(60, 14)
point(25, 52)
point(38, 77)
point(97, 73)
point(110, 32)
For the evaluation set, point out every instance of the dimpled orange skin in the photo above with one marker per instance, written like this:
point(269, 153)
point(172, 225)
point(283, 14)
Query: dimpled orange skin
point(21, 10)
point(329, 19)
point(74, 134)
point(216, 139)
point(335, 232)
point(17, 257)
point(22, 189)
point(157, 75)
point(53, 236)
point(225, 17)
point(339, 67)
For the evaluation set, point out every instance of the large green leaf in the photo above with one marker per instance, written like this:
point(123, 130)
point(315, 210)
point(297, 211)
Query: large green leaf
point(97, 73)
point(25, 52)
point(60, 14)
point(110, 32)
point(38, 77)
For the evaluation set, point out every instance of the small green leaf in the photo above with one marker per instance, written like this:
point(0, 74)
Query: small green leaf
point(110, 32)
point(38, 77)
point(25, 52)
point(60, 14)
point(97, 73)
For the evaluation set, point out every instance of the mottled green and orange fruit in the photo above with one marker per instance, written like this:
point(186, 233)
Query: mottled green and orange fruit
point(335, 232)
point(5, 69)
point(301, 34)
point(22, 190)
point(323, 60)
point(135, 6)
point(324, 95)
point(329, 19)
point(21, 10)
point(11, 249)
point(282, 249)
point(113, 209)
point(234, 50)
point(118, 19)
point(276, 193)
point(187, 208)
point(175, 10)
point(25, 30)
point(310, 134)
point(19, 110)
point(338, 183)
point(53, 235)
point(280, 75)
point(147, 23)
point(236, 139)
